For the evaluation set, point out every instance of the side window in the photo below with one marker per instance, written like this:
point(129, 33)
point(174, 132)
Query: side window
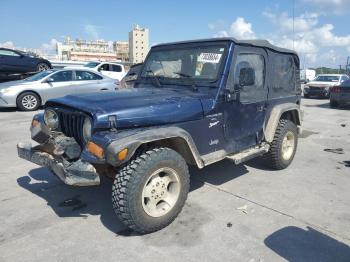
point(86, 76)
point(105, 67)
point(283, 75)
point(62, 76)
point(116, 68)
point(8, 53)
point(250, 70)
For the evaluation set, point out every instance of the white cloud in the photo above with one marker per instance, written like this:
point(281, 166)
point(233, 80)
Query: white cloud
point(7, 44)
point(91, 31)
point(48, 48)
point(239, 29)
point(331, 6)
point(302, 23)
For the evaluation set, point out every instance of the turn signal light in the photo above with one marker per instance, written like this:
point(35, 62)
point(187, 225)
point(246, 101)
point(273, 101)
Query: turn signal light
point(94, 149)
point(35, 123)
point(122, 154)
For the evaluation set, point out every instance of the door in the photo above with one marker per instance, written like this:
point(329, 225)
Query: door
point(87, 82)
point(245, 112)
point(112, 71)
point(58, 84)
point(11, 61)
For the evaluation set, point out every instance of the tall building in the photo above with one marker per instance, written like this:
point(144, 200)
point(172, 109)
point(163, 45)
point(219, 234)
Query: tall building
point(138, 44)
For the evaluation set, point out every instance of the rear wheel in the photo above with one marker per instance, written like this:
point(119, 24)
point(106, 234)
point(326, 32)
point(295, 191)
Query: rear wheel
point(42, 67)
point(28, 101)
point(283, 146)
point(333, 104)
point(151, 190)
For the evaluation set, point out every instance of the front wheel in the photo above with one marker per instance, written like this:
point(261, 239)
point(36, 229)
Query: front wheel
point(283, 146)
point(151, 190)
point(28, 101)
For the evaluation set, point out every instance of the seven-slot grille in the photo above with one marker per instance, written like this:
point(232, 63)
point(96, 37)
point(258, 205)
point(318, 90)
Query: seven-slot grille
point(71, 124)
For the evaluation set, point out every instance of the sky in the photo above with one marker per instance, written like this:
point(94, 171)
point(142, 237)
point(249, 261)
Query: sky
point(321, 27)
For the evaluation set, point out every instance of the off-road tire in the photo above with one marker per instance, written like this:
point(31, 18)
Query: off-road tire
point(273, 159)
point(129, 183)
point(333, 104)
point(26, 96)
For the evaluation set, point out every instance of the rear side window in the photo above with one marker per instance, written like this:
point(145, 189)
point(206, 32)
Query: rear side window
point(85, 76)
point(282, 75)
point(8, 53)
point(255, 92)
point(62, 76)
point(116, 68)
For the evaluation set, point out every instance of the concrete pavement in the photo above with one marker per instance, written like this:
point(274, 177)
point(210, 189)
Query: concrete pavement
point(233, 213)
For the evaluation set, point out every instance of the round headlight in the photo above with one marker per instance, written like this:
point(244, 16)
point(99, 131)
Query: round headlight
point(51, 119)
point(87, 129)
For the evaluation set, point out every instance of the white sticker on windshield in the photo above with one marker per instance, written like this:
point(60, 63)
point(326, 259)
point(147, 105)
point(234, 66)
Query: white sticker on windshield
point(209, 58)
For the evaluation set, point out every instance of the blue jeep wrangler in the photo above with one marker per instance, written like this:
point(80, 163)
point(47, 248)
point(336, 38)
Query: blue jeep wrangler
point(194, 102)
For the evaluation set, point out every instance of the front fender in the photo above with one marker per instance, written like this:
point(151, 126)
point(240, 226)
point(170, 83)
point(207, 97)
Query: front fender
point(135, 140)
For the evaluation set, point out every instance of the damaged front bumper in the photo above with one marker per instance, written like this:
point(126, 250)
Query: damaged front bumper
point(60, 154)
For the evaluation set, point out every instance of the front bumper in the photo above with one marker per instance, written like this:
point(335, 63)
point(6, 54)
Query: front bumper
point(61, 155)
point(316, 91)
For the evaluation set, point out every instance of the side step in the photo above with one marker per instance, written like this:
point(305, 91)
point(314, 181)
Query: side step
point(248, 154)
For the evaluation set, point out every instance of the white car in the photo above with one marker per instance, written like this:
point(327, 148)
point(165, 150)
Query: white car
point(30, 93)
point(112, 70)
point(322, 83)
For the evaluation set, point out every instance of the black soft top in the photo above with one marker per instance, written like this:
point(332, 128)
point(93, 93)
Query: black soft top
point(254, 43)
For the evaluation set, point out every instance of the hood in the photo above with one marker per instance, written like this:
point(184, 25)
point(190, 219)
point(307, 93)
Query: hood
point(321, 84)
point(15, 83)
point(139, 107)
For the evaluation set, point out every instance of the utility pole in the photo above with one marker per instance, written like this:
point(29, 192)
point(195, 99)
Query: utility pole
point(293, 25)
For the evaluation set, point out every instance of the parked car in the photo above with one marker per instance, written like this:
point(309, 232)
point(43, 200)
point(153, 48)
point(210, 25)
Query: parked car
point(112, 70)
point(322, 83)
point(16, 62)
point(29, 94)
point(213, 99)
point(340, 95)
point(129, 79)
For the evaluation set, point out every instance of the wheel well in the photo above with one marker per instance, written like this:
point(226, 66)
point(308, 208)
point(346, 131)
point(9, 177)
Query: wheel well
point(291, 115)
point(29, 91)
point(178, 144)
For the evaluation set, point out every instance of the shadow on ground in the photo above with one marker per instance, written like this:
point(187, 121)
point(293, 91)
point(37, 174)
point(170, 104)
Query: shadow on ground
point(296, 244)
point(67, 201)
point(327, 105)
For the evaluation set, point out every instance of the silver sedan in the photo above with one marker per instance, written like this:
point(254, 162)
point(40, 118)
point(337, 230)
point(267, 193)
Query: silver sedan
point(29, 94)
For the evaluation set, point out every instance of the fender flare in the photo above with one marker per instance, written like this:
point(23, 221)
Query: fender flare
point(134, 141)
point(275, 115)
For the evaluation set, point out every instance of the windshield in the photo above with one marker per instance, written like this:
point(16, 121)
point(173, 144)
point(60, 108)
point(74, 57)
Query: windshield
point(91, 64)
point(327, 78)
point(40, 75)
point(201, 62)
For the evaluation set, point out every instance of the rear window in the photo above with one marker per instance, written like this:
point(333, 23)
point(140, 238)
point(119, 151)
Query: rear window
point(327, 79)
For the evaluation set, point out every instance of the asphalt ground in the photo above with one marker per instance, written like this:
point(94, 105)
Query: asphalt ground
point(233, 213)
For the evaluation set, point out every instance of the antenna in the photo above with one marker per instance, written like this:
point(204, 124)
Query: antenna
point(293, 24)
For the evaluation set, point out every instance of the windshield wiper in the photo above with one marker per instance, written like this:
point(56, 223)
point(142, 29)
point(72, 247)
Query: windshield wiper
point(157, 82)
point(193, 83)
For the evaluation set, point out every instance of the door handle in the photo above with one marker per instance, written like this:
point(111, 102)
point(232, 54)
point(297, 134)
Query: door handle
point(260, 108)
point(104, 89)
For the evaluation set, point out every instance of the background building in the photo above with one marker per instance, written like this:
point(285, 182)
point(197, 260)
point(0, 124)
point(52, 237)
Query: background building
point(138, 44)
point(121, 48)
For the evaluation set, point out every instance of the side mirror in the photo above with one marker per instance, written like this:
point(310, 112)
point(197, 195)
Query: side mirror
point(49, 80)
point(246, 77)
